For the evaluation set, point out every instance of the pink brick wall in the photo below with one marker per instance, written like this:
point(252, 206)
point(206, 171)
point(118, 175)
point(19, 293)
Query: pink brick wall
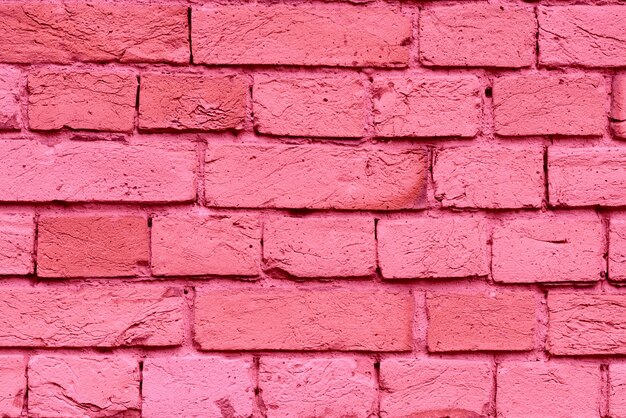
point(311, 209)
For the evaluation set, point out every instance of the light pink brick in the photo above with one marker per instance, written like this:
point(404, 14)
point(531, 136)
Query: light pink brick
point(320, 247)
point(589, 36)
point(617, 249)
point(12, 385)
point(471, 35)
point(315, 177)
point(489, 177)
point(197, 387)
point(551, 249)
point(617, 390)
point(556, 390)
point(618, 106)
point(273, 319)
point(432, 248)
point(422, 106)
point(309, 105)
point(549, 104)
point(9, 98)
point(17, 241)
point(196, 244)
point(435, 388)
point(329, 387)
point(67, 386)
point(283, 35)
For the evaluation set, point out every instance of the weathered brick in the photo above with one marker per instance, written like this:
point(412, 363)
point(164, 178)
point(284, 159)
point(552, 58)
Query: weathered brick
point(9, 98)
point(320, 247)
point(618, 106)
point(272, 319)
point(426, 106)
point(320, 34)
point(195, 244)
point(17, 241)
point(12, 385)
point(315, 177)
point(617, 390)
point(617, 249)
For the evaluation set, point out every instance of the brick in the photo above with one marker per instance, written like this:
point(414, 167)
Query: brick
point(551, 249)
point(432, 248)
point(556, 390)
point(459, 322)
point(471, 35)
point(191, 102)
point(195, 244)
point(12, 385)
point(92, 246)
point(64, 386)
point(586, 324)
point(617, 390)
point(426, 106)
point(281, 35)
point(102, 171)
point(489, 177)
point(617, 249)
point(618, 106)
point(197, 387)
point(589, 36)
point(315, 177)
point(329, 387)
point(318, 106)
point(56, 32)
point(91, 316)
point(435, 388)
point(9, 98)
point(17, 241)
point(554, 104)
point(95, 100)
point(273, 319)
point(320, 247)
point(586, 177)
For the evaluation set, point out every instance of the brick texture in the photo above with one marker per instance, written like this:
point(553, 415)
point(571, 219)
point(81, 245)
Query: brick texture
point(17, 243)
point(9, 99)
point(12, 385)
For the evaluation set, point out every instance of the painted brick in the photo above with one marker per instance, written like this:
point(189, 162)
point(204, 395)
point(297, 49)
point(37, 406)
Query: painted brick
point(556, 390)
point(56, 32)
point(91, 316)
point(618, 106)
point(435, 388)
point(432, 248)
point(617, 390)
point(329, 387)
point(9, 98)
point(489, 177)
point(549, 104)
point(12, 385)
point(64, 386)
point(197, 387)
point(426, 106)
point(589, 36)
point(315, 177)
point(318, 106)
point(471, 35)
point(617, 249)
point(95, 100)
point(551, 249)
point(282, 34)
point(195, 244)
point(272, 319)
point(17, 241)
point(102, 171)
point(320, 247)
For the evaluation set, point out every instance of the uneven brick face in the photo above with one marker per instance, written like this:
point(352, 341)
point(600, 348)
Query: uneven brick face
point(49, 32)
point(315, 177)
point(318, 106)
point(17, 241)
point(426, 106)
point(329, 387)
point(9, 99)
point(320, 247)
point(589, 36)
point(554, 249)
point(67, 386)
point(91, 316)
point(617, 249)
point(552, 389)
point(191, 102)
point(618, 106)
point(95, 100)
point(617, 390)
point(432, 248)
point(435, 388)
point(12, 385)
point(102, 171)
point(283, 35)
point(195, 244)
point(197, 387)
point(549, 105)
point(488, 177)
point(471, 35)
point(471, 322)
point(363, 320)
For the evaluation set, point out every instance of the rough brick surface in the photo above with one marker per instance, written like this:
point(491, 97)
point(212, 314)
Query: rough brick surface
point(617, 249)
point(618, 106)
point(12, 385)
point(17, 241)
point(617, 390)
point(9, 99)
